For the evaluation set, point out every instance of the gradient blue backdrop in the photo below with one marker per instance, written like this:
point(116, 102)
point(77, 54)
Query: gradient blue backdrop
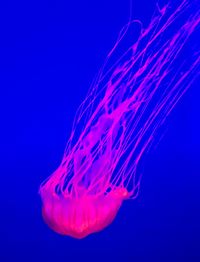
point(51, 52)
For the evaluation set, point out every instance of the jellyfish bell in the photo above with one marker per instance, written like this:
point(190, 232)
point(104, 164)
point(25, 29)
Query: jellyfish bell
point(118, 121)
point(79, 217)
point(77, 207)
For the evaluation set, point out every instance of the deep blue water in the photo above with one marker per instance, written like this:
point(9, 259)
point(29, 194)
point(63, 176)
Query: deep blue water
point(51, 52)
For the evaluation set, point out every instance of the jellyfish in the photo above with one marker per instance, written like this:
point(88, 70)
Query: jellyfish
point(144, 76)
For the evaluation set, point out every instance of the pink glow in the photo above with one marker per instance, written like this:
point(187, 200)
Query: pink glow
point(131, 97)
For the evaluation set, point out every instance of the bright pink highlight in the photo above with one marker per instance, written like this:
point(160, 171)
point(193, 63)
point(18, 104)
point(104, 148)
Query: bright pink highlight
point(134, 92)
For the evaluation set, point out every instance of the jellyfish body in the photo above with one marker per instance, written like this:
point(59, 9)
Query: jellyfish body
point(79, 217)
point(115, 125)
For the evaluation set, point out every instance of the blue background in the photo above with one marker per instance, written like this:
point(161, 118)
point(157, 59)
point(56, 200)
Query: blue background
point(50, 54)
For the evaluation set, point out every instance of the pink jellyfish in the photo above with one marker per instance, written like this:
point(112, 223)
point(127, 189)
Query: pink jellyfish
point(131, 97)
